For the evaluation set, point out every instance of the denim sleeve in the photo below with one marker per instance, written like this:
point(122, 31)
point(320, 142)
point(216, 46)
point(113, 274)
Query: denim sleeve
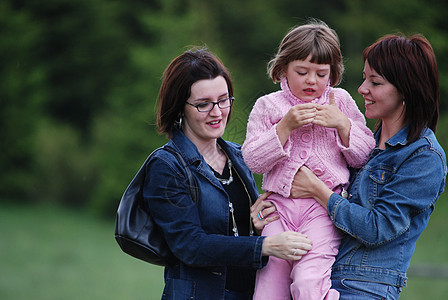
point(178, 216)
point(387, 199)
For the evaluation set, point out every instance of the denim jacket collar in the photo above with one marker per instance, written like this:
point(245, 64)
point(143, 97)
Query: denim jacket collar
point(192, 156)
point(185, 146)
point(190, 152)
point(400, 138)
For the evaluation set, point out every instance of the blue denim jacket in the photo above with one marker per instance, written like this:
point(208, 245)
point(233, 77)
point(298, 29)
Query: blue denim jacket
point(388, 207)
point(197, 233)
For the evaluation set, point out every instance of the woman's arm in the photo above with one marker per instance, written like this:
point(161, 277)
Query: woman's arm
point(380, 219)
point(179, 218)
point(385, 200)
point(286, 245)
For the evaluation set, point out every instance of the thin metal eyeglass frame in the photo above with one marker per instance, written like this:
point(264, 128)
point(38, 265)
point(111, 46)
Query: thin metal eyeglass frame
point(214, 103)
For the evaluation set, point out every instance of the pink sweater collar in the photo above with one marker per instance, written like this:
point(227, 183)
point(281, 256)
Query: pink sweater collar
point(324, 99)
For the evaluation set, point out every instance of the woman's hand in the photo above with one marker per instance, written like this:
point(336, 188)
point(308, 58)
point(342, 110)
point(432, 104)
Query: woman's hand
point(261, 212)
point(286, 245)
point(307, 185)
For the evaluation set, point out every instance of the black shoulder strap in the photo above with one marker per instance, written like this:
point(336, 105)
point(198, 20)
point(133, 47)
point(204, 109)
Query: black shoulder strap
point(192, 186)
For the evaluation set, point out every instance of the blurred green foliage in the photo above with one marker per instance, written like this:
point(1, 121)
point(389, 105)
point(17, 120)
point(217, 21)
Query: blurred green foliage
point(79, 79)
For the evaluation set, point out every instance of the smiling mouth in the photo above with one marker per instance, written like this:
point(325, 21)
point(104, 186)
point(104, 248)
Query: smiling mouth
point(214, 122)
point(369, 102)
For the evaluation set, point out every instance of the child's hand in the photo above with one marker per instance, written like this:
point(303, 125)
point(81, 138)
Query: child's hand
point(330, 116)
point(297, 116)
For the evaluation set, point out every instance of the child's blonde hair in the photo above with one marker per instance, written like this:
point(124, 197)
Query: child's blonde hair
point(314, 38)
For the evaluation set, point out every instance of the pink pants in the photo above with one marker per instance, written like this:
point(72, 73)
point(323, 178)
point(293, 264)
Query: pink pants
point(308, 278)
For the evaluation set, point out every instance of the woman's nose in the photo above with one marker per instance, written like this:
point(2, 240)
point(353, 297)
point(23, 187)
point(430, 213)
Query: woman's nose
point(216, 111)
point(362, 89)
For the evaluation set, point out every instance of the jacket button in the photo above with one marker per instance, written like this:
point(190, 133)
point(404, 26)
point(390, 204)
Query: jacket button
point(306, 137)
point(318, 171)
point(303, 154)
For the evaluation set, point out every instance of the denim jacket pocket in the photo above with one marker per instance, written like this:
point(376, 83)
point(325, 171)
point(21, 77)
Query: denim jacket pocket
point(379, 176)
point(382, 174)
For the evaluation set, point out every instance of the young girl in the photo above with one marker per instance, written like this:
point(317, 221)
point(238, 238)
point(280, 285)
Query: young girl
point(308, 122)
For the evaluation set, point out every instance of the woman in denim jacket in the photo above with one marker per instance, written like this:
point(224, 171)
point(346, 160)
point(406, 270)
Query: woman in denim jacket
point(217, 251)
point(391, 198)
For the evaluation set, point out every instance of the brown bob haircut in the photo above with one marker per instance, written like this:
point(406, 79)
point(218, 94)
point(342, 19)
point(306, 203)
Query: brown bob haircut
point(183, 71)
point(410, 65)
point(314, 38)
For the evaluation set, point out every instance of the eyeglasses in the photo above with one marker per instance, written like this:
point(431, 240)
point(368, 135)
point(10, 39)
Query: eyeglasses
point(208, 105)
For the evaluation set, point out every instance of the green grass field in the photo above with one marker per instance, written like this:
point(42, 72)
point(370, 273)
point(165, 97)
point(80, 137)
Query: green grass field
point(54, 253)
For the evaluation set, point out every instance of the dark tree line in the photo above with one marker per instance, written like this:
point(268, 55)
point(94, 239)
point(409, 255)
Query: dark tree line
point(79, 79)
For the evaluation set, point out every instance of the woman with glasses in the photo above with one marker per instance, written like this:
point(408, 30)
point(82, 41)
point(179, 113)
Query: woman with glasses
point(215, 243)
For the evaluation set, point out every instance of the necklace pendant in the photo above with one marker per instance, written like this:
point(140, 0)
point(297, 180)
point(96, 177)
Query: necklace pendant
point(235, 228)
point(230, 180)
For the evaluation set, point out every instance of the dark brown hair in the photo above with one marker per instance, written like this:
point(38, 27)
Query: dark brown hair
point(410, 65)
point(178, 77)
point(314, 38)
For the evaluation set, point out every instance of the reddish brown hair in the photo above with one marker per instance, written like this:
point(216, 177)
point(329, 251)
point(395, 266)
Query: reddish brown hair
point(178, 77)
point(410, 65)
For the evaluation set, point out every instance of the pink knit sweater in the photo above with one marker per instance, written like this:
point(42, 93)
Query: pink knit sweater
point(317, 147)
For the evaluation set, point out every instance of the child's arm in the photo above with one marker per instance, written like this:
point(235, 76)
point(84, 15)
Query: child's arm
point(262, 148)
point(266, 144)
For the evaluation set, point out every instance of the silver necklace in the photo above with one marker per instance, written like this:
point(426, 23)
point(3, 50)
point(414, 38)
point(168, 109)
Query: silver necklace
point(230, 180)
point(231, 209)
point(234, 229)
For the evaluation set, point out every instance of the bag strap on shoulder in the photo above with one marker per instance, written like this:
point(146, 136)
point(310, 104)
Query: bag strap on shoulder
point(192, 186)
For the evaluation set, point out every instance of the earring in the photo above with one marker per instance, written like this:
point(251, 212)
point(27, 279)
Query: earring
point(180, 123)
